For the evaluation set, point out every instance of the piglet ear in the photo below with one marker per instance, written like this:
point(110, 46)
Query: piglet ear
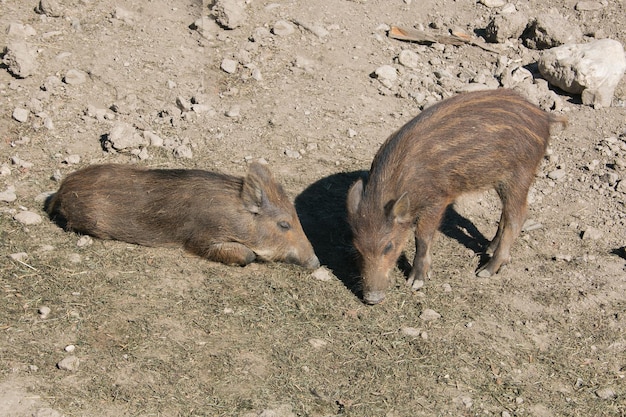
point(400, 211)
point(255, 185)
point(355, 195)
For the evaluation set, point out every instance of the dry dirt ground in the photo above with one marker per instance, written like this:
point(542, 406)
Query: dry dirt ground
point(160, 332)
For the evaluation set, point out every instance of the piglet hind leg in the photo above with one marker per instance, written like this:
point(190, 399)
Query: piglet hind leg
point(514, 209)
point(230, 253)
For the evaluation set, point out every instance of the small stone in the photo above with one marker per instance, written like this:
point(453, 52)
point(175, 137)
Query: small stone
point(322, 274)
point(530, 225)
point(605, 393)
point(387, 75)
point(229, 66)
point(183, 104)
point(283, 28)
point(408, 58)
point(20, 114)
point(317, 343)
point(75, 77)
point(72, 159)
point(84, 240)
point(44, 312)
point(70, 348)
point(75, 258)
point(20, 59)
point(290, 153)
point(50, 8)
point(70, 363)
point(493, 3)
point(183, 151)
point(351, 133)
point(28, 218)
point(557, 174)
point(16, 160)
point(429, 315)
point(233, 111)
point(231, 14)
point(8, 196)
point(4, 170)
point(19, 256)
point(591, 233)
point(585, 6)
point(411, 331)
point(153, 139)
point(20, 30)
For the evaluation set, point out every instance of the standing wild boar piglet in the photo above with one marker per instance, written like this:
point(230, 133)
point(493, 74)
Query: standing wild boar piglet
point(220, 217)
point(470, 142)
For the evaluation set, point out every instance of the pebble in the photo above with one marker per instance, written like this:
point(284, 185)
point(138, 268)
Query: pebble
point(231, 14)
point(229, 65)
point(605, 393)
point(588, 6)
point(411, 331)
point(20, 60)
point(386, 74)
point(429, 315)
point(234, 111)
point(5, 170)
point(493, 3)
point(50, 8)
point(28, 218)
point(44, 312)
point(75, 77)
point(290, 153)
point(154, 139)
point(591, 233)
point(84, 241)
point(317, 343)
point(283, 28)
point(408, 58)
point(15, 160)
point(8, 196)
point(69, 363)
point(70, 348)
point(557, 174)
point(183, 151)
point(19, 256)
point(72, 159)
point(20, 114)
point(322, 274)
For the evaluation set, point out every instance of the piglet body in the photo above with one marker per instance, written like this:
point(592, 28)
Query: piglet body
point(217, 216)
point(470, 142)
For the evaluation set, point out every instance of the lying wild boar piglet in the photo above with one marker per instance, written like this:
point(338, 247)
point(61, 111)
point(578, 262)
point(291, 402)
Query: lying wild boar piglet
point(220, 217)
point(473, 141)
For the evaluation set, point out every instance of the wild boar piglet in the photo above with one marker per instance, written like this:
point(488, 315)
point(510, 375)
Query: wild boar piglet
point(220, 217)
point(469, 142)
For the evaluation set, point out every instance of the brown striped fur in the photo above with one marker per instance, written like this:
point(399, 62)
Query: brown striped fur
point(472, 141)
point(220, 217)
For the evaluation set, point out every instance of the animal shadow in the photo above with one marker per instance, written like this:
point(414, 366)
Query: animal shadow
point(322, 211)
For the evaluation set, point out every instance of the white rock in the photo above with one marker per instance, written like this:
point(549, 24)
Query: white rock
point(8, 195)
point(70, 348)
point(230, 13)
point(50, 8)
point(71, 363)
point(84, 240)
point(411, 331)
point(493, 3)
point(592, 70)
point(234, 111)
point(28, 218)
point(153, 139)
point(317, 343)
point(591, 233)
point(429, 315)
point(75, 77)
point(283, 28)
point(44, 312)
point(183, 151)
point(408, 58)
point(123, 136)
point(229, 66)
point(5, 170)
point(19, 256)
point(72, 159)
point(387, 75)
point(322, 274)
point(606, 393)
point(20, 114)
point(20, 59)
point(19, 30)
point(16, 160)
point(589, 5)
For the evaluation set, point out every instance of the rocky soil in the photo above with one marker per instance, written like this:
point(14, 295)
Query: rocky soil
point(312, 88)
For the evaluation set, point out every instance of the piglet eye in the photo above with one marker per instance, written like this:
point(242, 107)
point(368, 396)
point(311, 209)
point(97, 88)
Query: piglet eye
point(284, 225)
point(387, 248)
